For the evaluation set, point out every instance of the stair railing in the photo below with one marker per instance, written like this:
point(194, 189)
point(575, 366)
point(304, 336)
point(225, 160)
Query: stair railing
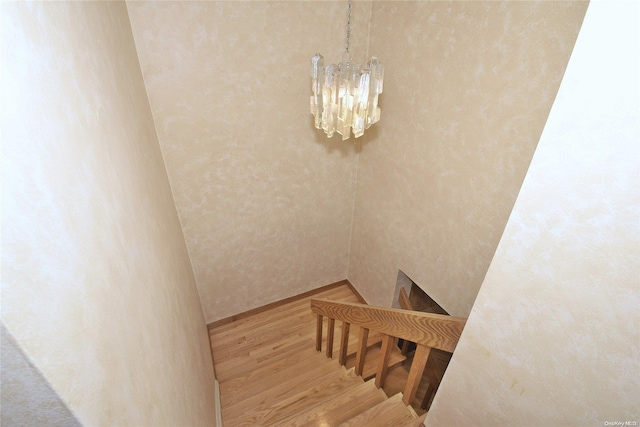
point(427, 330)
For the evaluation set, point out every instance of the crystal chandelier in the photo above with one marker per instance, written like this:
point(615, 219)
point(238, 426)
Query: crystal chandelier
point(345, 96)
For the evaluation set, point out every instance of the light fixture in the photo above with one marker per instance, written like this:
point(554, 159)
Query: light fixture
point(345, 96)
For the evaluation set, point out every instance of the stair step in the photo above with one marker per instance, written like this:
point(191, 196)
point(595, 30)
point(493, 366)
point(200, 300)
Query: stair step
point(418, 422)
point(374, 339)
point(391, 412)
point(242, 365)
point(245, 358)
point(300, 324)
point(272, 411)
point(263, 378)
point(340, 408)
point(271, 375)
point(342, 293)
point(282, 390)
point(219, 339)
point(371, 361)
point(268, 339)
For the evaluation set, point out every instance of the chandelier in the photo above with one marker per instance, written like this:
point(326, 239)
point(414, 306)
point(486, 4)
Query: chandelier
point(345, 96)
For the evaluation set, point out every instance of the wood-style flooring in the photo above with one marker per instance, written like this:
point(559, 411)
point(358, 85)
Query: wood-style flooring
point(271, 375)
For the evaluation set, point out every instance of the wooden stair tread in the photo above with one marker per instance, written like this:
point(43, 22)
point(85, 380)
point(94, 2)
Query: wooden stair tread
point(239, 366)
point(282, 362)
point(263, 378)
point(267, 339)
point(271, 411)
point(391, 412)
point(247, 352)
point(396, 380)
point(242, 334)
point(418, 422)
point(300, 324)
point(340, 408)
point(245, 358)
point(397, 377)
point(371, 361)
point(284, 389)
point(374, 340)
point(342, 293)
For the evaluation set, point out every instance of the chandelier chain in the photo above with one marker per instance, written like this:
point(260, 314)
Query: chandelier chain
point(348, 25)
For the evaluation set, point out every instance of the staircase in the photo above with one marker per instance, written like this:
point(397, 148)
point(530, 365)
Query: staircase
point(271, 372)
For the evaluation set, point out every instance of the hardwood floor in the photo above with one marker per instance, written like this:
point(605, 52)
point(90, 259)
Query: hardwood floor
point(270, 373)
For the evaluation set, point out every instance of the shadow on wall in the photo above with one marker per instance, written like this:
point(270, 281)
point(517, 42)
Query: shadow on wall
point(27, 398)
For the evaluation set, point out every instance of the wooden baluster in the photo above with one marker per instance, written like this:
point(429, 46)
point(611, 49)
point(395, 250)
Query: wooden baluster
point(331, 323)
point(404, 301)
point(344, 343)
point(362, 350)
point(405, 304)
point(415, 374)
point(319, 333)
point(405, 347)
point(383, 362)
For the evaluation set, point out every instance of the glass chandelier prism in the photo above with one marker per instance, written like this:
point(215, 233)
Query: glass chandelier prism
point(345, 96)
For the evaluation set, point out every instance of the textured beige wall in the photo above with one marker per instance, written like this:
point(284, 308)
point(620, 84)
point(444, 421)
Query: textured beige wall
point(97, 288)
point(554, 336)
point(264, 199)
point(468, 87)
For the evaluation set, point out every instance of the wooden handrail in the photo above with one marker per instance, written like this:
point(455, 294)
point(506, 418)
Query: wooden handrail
point(428, 329)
